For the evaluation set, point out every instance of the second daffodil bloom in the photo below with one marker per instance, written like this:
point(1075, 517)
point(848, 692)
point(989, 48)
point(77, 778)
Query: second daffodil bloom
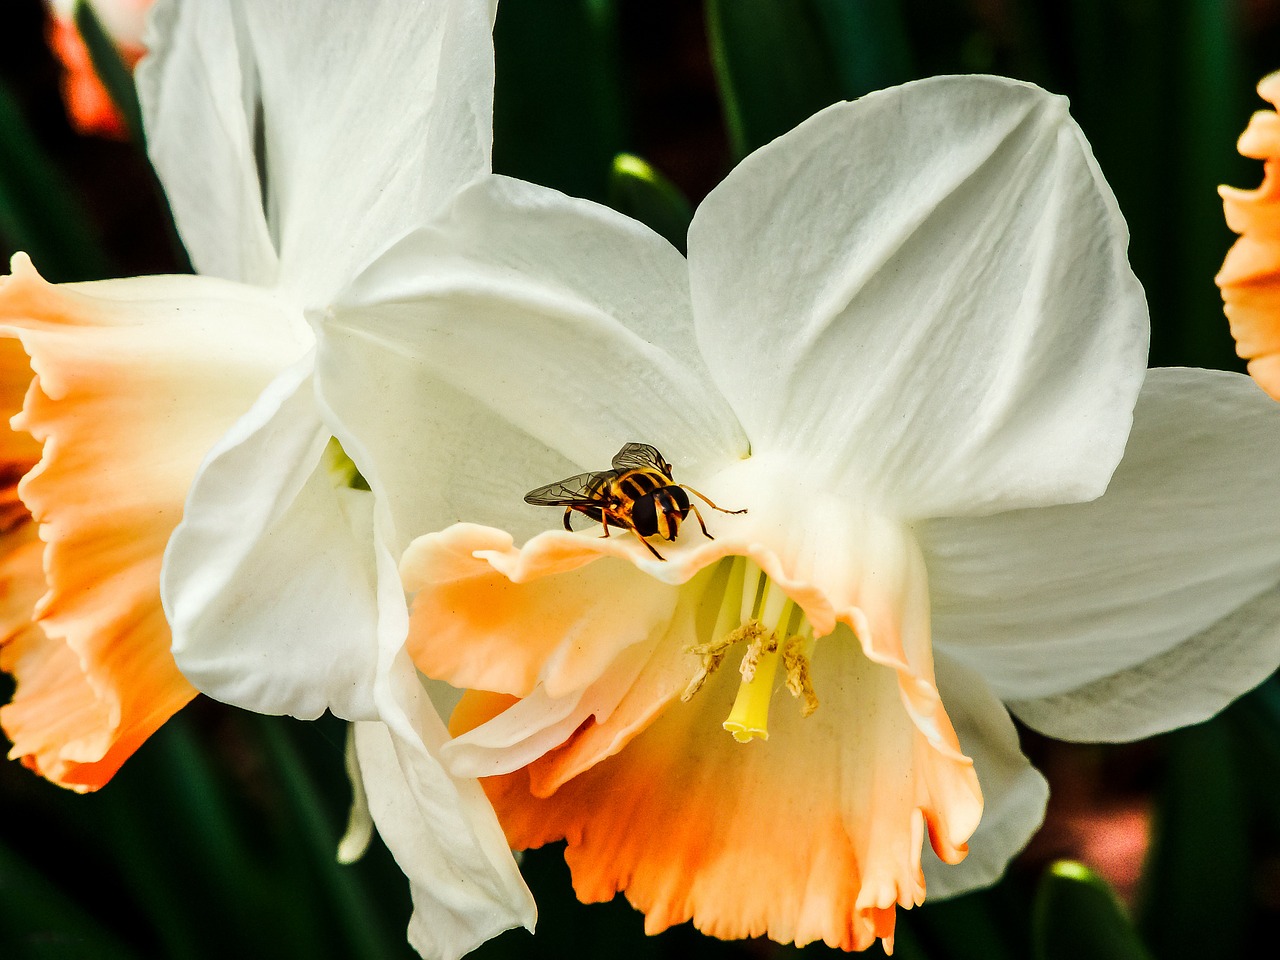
point(89, 106)
point(907, 344)
point(1250, 275)
point(185, 418)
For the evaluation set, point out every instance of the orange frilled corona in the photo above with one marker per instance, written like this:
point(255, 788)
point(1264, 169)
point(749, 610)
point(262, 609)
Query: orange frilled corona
point(1250, 275)
point(639, 494)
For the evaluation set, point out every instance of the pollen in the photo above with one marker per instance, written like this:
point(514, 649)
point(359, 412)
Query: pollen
point(799, 684)
point(759, 642)
point(756, 613)
point(712, 655)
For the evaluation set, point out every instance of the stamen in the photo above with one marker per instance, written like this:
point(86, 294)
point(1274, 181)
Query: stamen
point(796, 664)
point(722, 633)
point(756, 612)
point(712, 655)
point(754, 583)
point(758, 642)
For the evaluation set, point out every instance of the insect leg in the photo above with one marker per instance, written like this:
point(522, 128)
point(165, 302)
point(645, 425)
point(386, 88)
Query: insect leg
point(567, 512)
point(709, 503)
point(649, 546)
point(698, 513)
point(623, 522)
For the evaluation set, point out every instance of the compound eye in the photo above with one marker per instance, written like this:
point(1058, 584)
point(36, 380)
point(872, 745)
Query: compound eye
point(644, 516)
point(680, 499)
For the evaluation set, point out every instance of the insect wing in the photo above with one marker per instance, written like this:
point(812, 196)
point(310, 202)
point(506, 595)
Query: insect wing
point(580, 491)
point(641, 456)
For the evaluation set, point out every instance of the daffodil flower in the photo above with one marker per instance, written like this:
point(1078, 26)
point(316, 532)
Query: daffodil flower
point(907, 343)
point(1250, 275)
point(187, 414)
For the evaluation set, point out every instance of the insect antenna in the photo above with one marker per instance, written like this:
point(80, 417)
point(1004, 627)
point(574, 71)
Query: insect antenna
point(708, 501)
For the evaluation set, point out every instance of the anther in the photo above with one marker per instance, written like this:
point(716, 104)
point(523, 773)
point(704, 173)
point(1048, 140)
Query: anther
point(758, 642)
point(712, 655)
point(799, 682)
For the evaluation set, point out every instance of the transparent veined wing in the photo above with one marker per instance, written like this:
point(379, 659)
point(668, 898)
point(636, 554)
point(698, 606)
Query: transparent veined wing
point(580, 491)
point(641, 456)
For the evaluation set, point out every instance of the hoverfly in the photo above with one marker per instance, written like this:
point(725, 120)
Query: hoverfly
point(638, 494)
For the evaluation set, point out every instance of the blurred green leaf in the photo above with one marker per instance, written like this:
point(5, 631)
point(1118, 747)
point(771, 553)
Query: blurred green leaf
point(1216, 99)
point(558, 111)
point(115, 76)
point(869, 43)
point(965, 928)
point(641, 192)
point(1257, 718)
point(1159, 92)
point(1025, 37)
point(40, 922)
point(906, 946)
point(170, 808)
point(1199, 863)
point(568, 928)
point(1077, 916)
point(773, 67)
point(39, 212)
point(1259, 715)
point(1119, 99)
point(318, 836)
point(215, 840)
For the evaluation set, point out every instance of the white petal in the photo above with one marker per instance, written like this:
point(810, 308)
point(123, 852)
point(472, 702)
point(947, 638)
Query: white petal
point(443, 834)
point(1041, 602)
point(924, 296)
point(1014, 793)
point(525, 339)
point(1186, 685)
point(196, 87)
point(373, 114)
point(441, 829)
point(269, 581)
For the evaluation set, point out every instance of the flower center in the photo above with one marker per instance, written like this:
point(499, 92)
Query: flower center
point(756, 612)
